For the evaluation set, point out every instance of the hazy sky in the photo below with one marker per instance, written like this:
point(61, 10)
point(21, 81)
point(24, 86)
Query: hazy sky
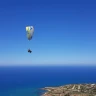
point(65, 32)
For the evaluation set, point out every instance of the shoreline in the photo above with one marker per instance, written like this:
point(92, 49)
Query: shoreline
point(71, 90)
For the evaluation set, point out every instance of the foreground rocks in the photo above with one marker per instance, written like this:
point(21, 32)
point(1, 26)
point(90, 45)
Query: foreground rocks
point(71, 90)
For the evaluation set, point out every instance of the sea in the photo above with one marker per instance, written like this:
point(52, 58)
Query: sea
point(28, 80)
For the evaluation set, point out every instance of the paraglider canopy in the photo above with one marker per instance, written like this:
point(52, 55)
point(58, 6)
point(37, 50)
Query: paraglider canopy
point(30, 31)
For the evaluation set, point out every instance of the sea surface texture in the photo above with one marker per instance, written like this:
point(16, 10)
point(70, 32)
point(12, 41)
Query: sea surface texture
point(27, 81)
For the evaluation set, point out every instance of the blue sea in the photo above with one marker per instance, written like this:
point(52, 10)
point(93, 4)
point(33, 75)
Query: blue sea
point(27, 80)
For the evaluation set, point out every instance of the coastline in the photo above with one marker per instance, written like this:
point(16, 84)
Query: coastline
point(71, 90)
point(43, 91)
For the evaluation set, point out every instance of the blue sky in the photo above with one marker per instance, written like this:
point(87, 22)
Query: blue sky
point(65, 32)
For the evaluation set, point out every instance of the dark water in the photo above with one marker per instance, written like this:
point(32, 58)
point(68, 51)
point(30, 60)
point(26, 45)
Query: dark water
point(26, 81)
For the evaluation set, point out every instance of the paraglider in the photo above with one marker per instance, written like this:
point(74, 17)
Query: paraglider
point(30, 32)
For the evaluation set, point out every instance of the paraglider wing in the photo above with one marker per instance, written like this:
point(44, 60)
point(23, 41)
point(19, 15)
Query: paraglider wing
point(30, 31)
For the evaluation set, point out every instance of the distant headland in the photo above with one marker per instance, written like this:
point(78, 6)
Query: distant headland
point(71, 90)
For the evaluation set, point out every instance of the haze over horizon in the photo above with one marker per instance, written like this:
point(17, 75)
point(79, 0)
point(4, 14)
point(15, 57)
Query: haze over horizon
point(65, 32)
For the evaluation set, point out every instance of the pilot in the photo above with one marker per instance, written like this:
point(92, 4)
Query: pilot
point(29, 50)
